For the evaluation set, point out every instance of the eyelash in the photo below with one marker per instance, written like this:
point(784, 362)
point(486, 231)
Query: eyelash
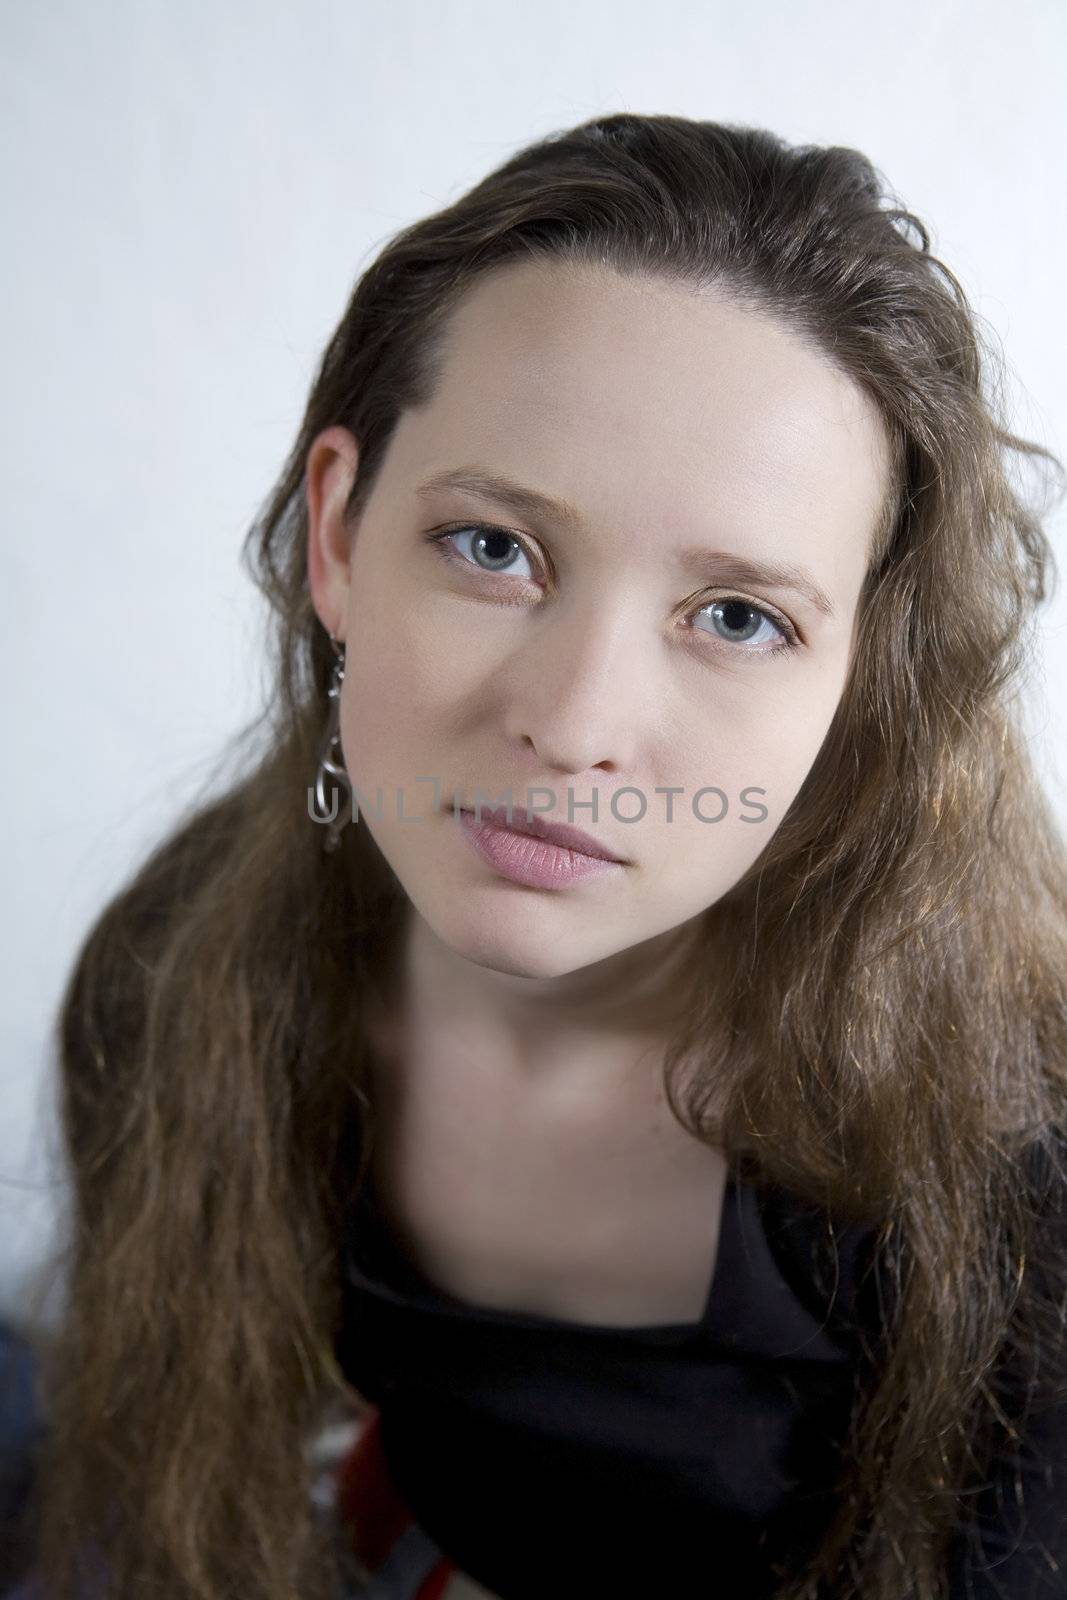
point(448, 552)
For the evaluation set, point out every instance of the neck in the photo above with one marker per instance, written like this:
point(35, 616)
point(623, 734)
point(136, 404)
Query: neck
point(597, 1023)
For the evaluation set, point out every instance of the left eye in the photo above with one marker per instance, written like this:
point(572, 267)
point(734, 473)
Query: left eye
point(726, 610)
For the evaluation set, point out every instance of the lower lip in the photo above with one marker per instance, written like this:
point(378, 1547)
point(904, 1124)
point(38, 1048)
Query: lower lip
point(525, 859)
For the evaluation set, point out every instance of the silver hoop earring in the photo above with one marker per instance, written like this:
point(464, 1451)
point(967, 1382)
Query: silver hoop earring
point(332, 762)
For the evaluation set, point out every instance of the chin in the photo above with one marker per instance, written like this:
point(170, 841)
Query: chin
point(511, 951)
point(519, 944)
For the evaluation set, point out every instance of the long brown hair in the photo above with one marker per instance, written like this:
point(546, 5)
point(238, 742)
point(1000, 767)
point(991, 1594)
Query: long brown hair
point(896, 1027)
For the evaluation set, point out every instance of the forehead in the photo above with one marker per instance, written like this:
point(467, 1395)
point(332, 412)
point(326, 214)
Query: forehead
point(631, 392)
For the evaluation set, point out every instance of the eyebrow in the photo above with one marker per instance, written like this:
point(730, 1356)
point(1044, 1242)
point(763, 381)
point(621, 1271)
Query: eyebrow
point(726, 566)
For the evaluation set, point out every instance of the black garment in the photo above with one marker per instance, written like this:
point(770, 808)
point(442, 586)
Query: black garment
point(21, 1434)
point(551, 1457)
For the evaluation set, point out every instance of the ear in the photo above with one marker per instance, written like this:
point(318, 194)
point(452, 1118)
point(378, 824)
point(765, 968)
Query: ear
point(329, 474)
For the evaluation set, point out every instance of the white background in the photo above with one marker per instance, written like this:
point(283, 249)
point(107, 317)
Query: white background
point(190, 192)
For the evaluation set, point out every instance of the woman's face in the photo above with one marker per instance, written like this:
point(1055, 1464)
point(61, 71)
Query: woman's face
point(575, 655)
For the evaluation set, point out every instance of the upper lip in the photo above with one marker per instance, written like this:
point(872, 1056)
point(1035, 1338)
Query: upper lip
point(560, 833)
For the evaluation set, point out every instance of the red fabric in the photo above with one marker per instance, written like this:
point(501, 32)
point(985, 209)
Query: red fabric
point(436, 1584)
point(373, 1511)
point(367, 1499)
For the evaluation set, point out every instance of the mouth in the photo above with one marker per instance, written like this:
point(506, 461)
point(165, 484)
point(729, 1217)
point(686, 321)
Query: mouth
point(557, 833)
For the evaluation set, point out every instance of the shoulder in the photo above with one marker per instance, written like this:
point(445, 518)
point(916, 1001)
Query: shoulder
point(1014, 1539)
point(839, 1270)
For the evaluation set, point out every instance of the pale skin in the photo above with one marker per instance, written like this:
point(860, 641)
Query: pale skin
point(521, 1070)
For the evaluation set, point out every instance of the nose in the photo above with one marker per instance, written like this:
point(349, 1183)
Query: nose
point(579, 694)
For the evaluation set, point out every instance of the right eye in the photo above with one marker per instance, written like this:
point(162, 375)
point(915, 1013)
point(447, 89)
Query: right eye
point(490, 549)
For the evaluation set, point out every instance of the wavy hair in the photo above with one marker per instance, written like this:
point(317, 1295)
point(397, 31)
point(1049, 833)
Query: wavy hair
point(893, 979)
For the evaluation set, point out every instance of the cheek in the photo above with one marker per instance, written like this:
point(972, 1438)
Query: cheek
point(743, 773)
point(798, 731)
point(377, 702)
point(411, 646)
point(397, 702)
point(734, 797)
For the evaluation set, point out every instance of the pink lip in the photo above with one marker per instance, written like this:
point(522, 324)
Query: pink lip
point(568, 838)
point(526, 858)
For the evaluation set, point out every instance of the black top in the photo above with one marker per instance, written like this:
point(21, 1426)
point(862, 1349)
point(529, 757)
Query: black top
point(551, 1457)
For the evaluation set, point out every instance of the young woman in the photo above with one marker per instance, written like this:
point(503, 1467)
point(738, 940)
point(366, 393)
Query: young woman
point(614, 1021)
